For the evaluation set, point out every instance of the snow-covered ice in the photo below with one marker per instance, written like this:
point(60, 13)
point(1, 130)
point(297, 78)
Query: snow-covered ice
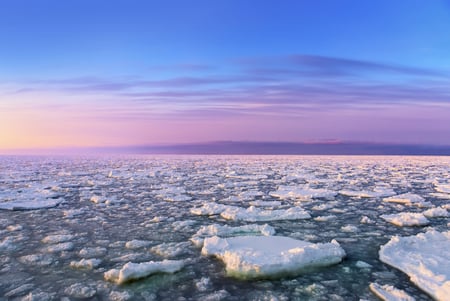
point(270, 256)
point(110, 210)
point(408, 199)
point(389, 293)
point(253, 214)
point(424, 258)
point(406, 219)
point(133, 271)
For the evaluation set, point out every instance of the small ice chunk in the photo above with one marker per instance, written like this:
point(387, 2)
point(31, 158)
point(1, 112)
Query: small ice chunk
point(36, 259)
point(406, 219)
point(378, 192)
point(408, 199)
point(253, 214)
point(366, 220)
point(290, 192)
point(78, 290)
point(58, 238)
point(171, 249)
point(325, 218)
point(209, 209)
point(424, 258)
point(92, 252)
point(120, 296)
point(132, 271)
point(363, 265)
point(436, 212)
point(87, 264)
point(203, 284)
point(13, 228)
point(260, 203)
point(443, 188)
point(64, 246)
point(349, 228)
point(270, 256)
point(137, 244)
point(389, 293)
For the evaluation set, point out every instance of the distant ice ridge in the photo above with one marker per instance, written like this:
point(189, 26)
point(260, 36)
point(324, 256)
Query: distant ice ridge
point(424, 258)
point(132, 271)
point(389, 293)
point(250, 257)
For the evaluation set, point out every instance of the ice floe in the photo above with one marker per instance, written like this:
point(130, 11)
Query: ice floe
point(87, 264)
point(171, 249)
point(408, 199)
point(226, 231)
point(291, 192)
point(254, 214)
point(270, 256)
point(133, 271)
point(424, 258)
point(209, 209)
point(78, 290)
point(376, 193)
point(389, 293)
point(436, 212)
point(30, 204)
point(406, 219)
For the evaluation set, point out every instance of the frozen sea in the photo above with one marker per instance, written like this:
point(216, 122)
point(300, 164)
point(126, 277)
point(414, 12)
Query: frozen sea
point(66, 221)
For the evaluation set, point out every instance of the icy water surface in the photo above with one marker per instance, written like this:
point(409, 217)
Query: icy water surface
point(113, 210)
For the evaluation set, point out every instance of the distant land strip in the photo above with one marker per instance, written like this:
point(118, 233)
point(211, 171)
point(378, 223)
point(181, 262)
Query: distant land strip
point(251, 148)
point(286, 148)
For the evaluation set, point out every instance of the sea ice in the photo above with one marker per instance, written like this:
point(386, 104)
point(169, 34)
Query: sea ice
point(57, 238)
point(444, 188)
point(171, 249)
point(436, 212)
point(270, 256)
point(291, 192)
point(87, 264)
point(37, 203)
point(406, 219)
point(78, 290)
point(389, 293)
point(379, 192)
point(132, 271)
point(209, 209)
point(137, 244)
point(408, 199)
point(225, 230)
point(253, 214)
point(424, 258)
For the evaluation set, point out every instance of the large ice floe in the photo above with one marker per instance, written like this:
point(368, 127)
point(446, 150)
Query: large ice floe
point(424, 258)
point(132, 271)
point(250, 257)
point(410, 199)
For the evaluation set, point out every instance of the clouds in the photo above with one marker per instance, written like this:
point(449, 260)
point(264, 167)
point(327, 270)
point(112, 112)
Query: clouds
point(281, 98)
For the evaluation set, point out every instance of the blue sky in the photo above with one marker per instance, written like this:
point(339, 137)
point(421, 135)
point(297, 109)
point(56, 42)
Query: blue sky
point(131, 72)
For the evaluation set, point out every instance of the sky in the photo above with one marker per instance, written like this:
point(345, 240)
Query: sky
point(87, 73)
